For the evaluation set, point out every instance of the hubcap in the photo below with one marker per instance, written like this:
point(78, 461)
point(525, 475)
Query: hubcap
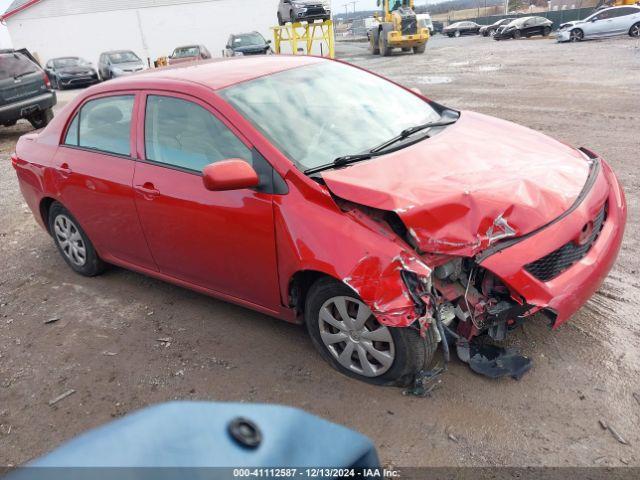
point(636, 31)
point(355, 338)
point(70, 241)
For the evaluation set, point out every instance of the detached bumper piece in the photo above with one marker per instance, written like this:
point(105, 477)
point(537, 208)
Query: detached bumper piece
point(493, 361)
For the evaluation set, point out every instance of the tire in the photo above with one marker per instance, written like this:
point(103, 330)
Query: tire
point(385, 51)
point(485, 33)
point(41, 118)
point(400, 352)
point(546, 31)
point(406, 49)
point(634, 31)
point(576, 35)
point(82, 259)
point(420, 49)
point(457, 33)
point(517, 35)
point(374, 47)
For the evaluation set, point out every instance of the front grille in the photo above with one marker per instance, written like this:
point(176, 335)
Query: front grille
point(315, 10)
point(549, 267)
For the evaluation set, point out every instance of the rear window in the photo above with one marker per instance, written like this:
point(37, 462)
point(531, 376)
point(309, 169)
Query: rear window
point(15, 65)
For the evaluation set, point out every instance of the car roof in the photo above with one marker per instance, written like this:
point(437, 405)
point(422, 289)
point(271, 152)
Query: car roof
point(116, 51)
point(217, 73)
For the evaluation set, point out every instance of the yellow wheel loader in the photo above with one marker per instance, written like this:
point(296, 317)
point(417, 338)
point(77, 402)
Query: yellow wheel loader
point(397, 28)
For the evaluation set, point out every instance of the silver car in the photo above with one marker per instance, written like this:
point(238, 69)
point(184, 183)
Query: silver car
point(118, 63)
point(603, 23)
point(303, 10)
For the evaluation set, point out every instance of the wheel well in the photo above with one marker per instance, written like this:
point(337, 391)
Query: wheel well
point(45, 206)
point(300, 285)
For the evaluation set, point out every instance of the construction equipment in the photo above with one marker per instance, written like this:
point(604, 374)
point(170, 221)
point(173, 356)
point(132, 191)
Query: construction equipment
point(397, 28)
point(308, 38)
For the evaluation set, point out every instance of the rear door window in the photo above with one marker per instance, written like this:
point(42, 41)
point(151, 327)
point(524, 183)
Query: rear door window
point(103, 124)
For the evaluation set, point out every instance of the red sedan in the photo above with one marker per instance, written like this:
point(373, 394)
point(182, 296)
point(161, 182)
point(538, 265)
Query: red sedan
point(319, 193)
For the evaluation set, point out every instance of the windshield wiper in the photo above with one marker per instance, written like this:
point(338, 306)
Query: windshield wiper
point(407, 132)
point(20, 75)
point(380, 149)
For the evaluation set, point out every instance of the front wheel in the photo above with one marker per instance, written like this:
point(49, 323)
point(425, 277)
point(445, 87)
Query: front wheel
point(73, 244)
point(385, 50)
point(517, 34)
point(41, 118)
point(576, 35)
point(634, 31)
point(420, 48)
point(350, 338)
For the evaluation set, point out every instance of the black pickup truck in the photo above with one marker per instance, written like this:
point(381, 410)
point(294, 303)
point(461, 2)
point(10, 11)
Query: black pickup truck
point(25, 91)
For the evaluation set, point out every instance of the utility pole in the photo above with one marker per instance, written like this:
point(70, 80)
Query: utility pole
point(354, 6)
point(346, 11)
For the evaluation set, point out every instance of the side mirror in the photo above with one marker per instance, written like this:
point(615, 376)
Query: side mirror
point(232, 174)
point(268, 42)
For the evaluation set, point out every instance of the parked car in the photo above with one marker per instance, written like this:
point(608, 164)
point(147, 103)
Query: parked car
point(303, 11)
point(189, 53)
point(71, 72)
point(119, 63)
point(461, 28)
point(252, 43)
point(603, 23)
point(25, 91)
point(490, 30)
point(524, 27)
point(198, 185)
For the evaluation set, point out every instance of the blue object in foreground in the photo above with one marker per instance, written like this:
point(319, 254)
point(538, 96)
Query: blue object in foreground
point(199, 436)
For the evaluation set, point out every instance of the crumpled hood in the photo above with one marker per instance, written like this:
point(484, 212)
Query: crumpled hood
point(477, 182)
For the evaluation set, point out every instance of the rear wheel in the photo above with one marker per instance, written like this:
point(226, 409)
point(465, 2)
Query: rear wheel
point(546, 31)
point(73, 244)
point(385, 50)
point(576, 35)
point(634, 31)
point(350, 338)
point(420, 48)
point(41, 118)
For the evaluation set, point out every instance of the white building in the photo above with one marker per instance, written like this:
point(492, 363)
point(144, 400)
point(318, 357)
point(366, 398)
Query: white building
point(151, 28)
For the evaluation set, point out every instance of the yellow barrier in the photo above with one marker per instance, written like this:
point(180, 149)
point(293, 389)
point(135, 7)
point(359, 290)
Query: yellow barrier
point(307, 34)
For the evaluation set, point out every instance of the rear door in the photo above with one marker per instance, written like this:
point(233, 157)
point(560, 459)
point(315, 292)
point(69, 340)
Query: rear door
point(93, 172)
point(20, 79)
point(223, 242)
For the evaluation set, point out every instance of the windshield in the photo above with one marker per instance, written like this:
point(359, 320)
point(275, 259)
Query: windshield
point(69, 62)
point(123, 57)
point(15, 65)
point(185, 52)
point(317, 113)
point(248, 40)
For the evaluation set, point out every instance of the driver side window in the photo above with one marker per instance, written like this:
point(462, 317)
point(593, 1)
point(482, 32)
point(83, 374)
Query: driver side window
point(183, 134)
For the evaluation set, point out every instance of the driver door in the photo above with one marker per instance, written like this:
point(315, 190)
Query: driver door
point(221, 241)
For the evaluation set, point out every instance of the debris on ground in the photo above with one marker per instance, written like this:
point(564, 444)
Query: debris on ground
point(61, 397)
point(110, 354)
point(606, 426)
point(636, 395)
point(51, 320)
point(165, 341)
point(493, 361)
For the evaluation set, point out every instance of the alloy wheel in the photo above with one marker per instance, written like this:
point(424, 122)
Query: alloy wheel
point(353, 336)
point(635, 31)
point(575, 35)
point(70, 241)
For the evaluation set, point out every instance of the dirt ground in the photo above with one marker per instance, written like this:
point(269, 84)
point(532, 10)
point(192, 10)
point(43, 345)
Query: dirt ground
point(105, 344)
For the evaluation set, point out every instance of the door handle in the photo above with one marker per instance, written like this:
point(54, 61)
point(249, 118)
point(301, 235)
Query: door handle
point(147, 189)
point(65, 170)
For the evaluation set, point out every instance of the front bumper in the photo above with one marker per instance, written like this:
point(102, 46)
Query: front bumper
point(77, 81)
point(396, 39)
point(563, 295)
point(563, 35)
point(23, 108)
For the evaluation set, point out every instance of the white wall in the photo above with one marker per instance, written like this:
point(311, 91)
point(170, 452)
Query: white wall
point(149, 31)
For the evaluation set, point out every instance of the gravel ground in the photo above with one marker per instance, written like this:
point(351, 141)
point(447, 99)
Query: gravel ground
point(105, 344)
